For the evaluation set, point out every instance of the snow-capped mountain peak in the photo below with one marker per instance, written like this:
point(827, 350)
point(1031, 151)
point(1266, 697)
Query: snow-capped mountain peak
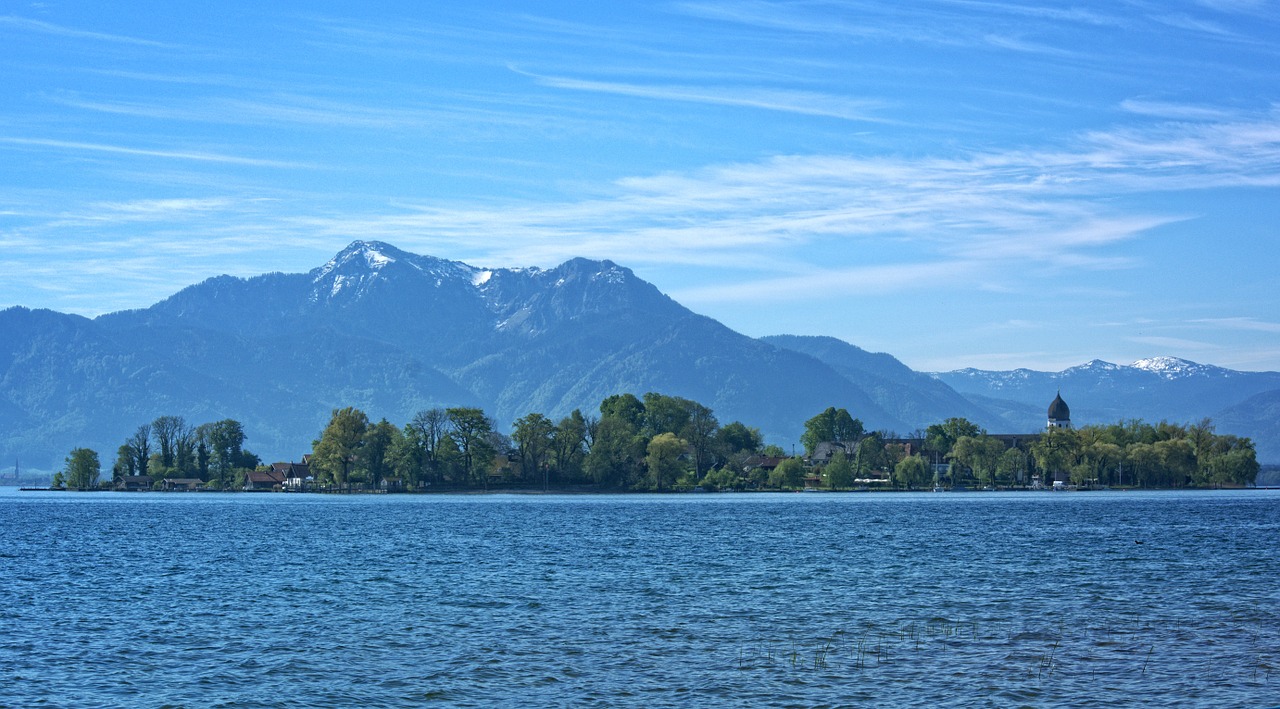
point(357, 267)
point(1171, 367)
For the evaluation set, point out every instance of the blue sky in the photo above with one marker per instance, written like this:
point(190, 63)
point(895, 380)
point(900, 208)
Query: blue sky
point(958, 183)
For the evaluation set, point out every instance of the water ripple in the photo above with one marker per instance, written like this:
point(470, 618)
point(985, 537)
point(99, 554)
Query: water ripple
point(726, 600)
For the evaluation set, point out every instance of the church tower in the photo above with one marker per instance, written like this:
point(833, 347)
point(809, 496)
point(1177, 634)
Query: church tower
point(1059, 413)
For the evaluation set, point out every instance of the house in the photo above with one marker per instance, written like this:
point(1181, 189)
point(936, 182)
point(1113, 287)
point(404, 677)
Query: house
point(823, 452)
point(134, 483)
point(296, 476)
point(182, 484)
point(257, 480)
point(761, 462)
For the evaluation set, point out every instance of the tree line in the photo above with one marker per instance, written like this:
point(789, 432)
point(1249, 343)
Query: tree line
point(1129, 453)
point(659, 442)
point(169, 447)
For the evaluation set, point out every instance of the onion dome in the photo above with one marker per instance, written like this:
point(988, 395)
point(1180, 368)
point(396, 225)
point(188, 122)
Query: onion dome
point(1058, 410)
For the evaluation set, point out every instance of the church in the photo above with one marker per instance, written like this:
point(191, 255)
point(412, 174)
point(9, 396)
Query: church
point(1059, 413)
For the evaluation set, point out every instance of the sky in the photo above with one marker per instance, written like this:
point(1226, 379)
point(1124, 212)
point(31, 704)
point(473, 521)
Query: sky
point(959, 183)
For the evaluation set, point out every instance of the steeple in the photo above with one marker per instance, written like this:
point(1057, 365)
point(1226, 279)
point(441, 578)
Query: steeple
point(1059, 413)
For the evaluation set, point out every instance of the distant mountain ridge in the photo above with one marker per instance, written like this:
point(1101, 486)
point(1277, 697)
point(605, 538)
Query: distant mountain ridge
point(1153, 389)
point(393, 333)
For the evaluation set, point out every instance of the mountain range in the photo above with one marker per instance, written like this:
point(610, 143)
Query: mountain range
point(393, 333)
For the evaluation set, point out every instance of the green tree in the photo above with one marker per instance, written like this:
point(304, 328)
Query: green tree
point(185, 452)
point(449, 458)
point(333, 455)
point(405, 461)
point(911, 472)
point(82, 469)
point(870, 455)
point(980, 454)
point(470, 428)
point(533, 434)
point(831, 425)
point(421, 459)
point(1235, 463)
point(722, 478)
point(788, 475)
point(940, 437)
point(1099, 460)
point(617, 452)
point(1012, 466)
point(737, 437)
point(1177, 461)
point(663, 459)
point(1055, 452)
point(375, 455)
point(700, 431)
point(845, 427)
point(568, 446)
point(140, 446)
point(1144, 463)
point(167, 430)
point(665, 414)
point(225, 441)
point(839, 472)
point(126, 463)
point(625, 407)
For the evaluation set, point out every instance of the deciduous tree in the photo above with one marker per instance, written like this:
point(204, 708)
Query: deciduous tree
point(375, 453)
point(839, 472)
point(788, 474)
point(333, 455)
point(140, 445)
point(167, 430)
point(663, 459)
point(469, 429)
point(82, 469)
point(533, 435)
point(911, 472)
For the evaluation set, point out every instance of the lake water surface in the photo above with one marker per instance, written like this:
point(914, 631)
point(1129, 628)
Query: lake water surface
point(979, 599)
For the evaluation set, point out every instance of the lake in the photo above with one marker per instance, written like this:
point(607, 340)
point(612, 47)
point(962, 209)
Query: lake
point(872, 599)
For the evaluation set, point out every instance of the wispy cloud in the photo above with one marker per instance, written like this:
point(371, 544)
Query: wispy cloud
point(1175, 343)
point(901, 223)
point(198, 156)
point(1240, 323)
point(1194, 24)
point(866, 280)
point(48, 28)
point(803, 102)
point(1047, 208)
point(1179, 111)
point(1062, 14)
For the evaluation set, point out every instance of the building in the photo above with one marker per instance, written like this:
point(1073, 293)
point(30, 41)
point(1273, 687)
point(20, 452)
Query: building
point(296, 476)
point(134, 483)
point(263, 480)
point(1059, 413)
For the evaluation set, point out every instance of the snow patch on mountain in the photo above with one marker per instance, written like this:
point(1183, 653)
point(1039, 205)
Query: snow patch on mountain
point(612, 275)
point(1174, 367)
